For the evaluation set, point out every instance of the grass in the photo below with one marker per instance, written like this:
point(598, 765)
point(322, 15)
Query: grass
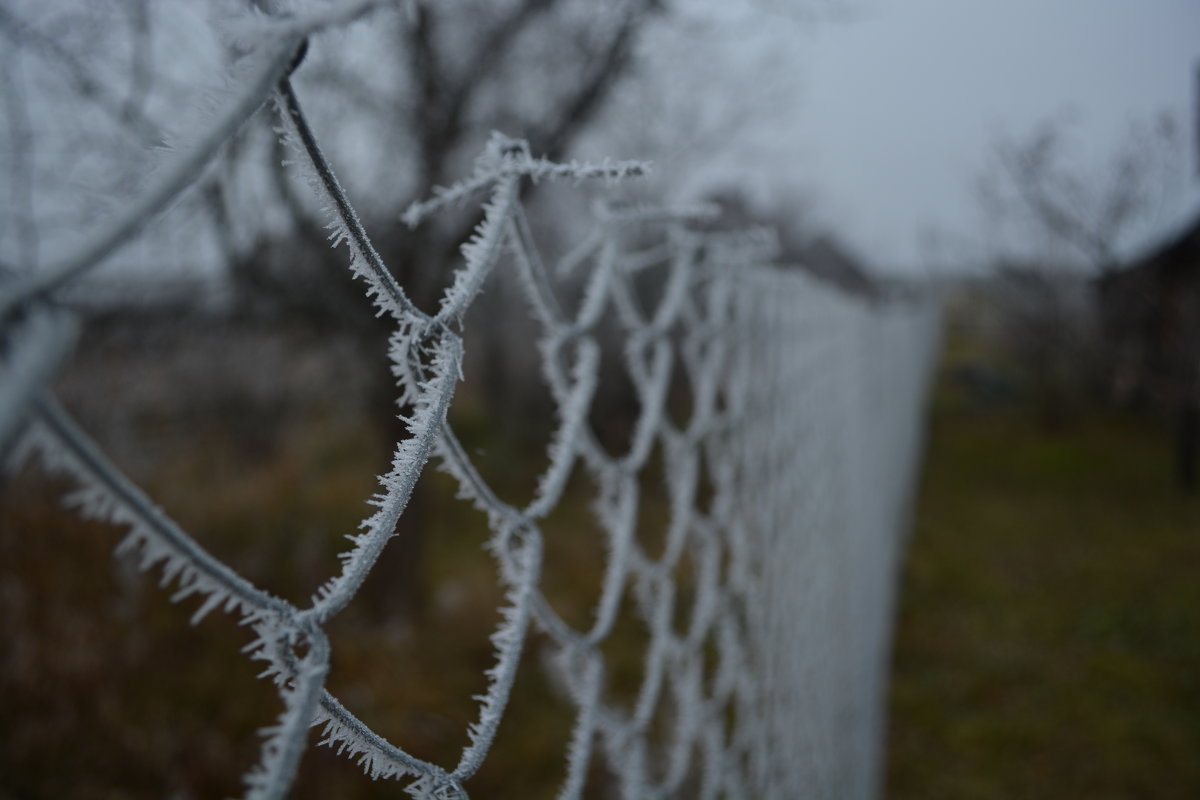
point(1048, 643)
point(100, 672)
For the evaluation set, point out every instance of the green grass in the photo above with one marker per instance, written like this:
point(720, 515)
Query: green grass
point(1048, 643)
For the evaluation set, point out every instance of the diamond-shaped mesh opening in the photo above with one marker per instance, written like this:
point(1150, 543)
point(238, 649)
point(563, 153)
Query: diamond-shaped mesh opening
point(617, 408)
point(682, 404)
point(625, 650)
point(654, 512)
point(707, 490)
point(576, 548)
point(683, 578)
point(503, 376)
point(620, 496)
point(526, 760)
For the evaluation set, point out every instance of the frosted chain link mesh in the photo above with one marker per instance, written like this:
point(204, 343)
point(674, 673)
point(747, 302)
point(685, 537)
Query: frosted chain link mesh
point(805, 412)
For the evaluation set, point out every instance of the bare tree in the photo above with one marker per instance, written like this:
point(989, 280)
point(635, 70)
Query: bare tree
point(402, 101)
point(439, 79)
point(1048, 200)
point(1085, 297)
point(538, 69)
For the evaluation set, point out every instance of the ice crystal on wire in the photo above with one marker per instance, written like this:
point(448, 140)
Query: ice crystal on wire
point(573, 416)
point(343, 223)
point(31, 351)
point(431, 401)
point(504, 157)
point(735, 326)
point(284, 742)
point(508, 639)
point(480, 252)
point(104, 494)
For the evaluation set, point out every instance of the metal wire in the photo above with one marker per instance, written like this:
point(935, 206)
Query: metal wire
point(788, 479)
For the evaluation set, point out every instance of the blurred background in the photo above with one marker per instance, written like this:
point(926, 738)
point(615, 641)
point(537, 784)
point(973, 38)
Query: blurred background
point(1033, 163)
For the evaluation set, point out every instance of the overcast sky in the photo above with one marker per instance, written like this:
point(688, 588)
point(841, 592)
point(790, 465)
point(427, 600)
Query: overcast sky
point(884, 119)
point(890, 114)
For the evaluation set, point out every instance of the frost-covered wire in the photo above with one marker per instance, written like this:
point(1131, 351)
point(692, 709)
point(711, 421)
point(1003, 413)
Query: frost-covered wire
point(105, 494)
point(504, 157)
point(30, 356)
point(365, 262)
point(779, 486)
point(177, 173)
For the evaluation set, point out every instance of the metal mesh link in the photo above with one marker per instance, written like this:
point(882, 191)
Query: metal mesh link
point(788, 480)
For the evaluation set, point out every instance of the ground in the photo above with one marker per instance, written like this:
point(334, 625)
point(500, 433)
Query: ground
point(1048, 640)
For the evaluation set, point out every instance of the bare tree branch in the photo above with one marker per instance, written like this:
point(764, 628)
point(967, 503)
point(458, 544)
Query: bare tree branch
point(22, 34)
point(141, 79)
point(555, 135)
point(1090, 210)
point(182, 173)
point(21, 187)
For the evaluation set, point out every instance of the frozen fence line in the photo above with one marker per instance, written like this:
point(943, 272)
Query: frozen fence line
point(805, 411)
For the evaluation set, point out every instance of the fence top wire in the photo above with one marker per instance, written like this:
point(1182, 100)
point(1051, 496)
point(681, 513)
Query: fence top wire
point(732, 471)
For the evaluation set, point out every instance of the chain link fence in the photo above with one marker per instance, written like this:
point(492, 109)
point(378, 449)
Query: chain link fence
point(783, 417)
